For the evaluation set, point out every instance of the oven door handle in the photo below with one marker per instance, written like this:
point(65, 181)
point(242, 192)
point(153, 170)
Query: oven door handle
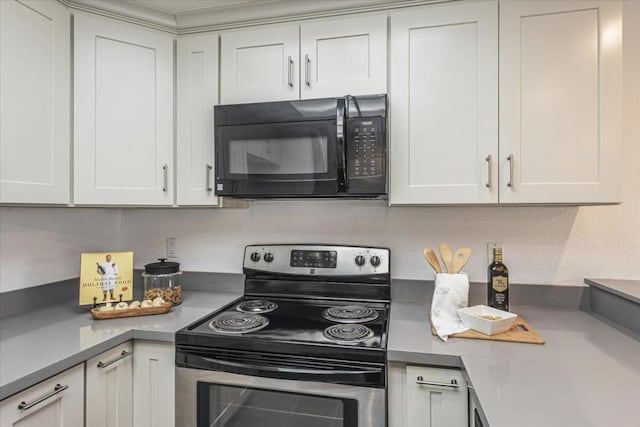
point(291, 370)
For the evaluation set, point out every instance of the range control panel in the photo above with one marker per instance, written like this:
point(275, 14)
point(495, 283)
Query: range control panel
point(306, 258)
point(321, 260)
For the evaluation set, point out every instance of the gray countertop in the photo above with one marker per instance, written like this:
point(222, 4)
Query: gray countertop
point(628, 289)
point(586, 374)
point(39, 344)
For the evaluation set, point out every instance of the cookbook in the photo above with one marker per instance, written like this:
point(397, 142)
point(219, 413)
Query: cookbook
point(106, 277)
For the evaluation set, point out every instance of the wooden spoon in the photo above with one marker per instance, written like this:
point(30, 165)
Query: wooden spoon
point(432, 259)
point(460, 258)
point(445, 254)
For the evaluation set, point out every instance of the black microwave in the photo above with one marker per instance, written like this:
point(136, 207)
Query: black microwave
point(331, 147)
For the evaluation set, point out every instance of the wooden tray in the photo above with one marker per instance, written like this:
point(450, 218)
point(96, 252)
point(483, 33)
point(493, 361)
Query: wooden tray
point(129, 312)
point(520, 331)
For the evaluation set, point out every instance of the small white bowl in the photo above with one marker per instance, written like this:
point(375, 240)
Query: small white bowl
point(470, 316)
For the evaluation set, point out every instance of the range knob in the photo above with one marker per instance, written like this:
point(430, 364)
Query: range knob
point(375, 260)
point(268, 257)
point(360, 260)
point(255, 256)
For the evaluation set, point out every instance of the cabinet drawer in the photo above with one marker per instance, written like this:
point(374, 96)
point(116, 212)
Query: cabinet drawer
point(435, 396)
point(55, 402)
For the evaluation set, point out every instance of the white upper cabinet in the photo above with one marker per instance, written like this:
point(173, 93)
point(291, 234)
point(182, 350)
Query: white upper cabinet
point(123, 107)
point(34, 102)
point(197, 91)
point(260, 65)
point(560, 101)
point(444, 104)
point(343, 56)
point(328, 58)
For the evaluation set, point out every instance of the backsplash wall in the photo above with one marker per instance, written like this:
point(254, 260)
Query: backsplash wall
point(43, 245)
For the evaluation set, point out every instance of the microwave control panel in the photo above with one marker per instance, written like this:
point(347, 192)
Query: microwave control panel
point(366, 153)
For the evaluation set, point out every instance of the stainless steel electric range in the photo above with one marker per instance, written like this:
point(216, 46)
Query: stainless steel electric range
point(305, 346)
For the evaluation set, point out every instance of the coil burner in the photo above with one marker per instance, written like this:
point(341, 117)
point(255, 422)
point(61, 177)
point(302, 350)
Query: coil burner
point(256, 306)
point(350, 314)
point(238, 323)
point(348, 334)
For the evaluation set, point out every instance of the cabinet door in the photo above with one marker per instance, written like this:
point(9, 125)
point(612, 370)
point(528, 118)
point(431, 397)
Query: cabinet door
point(34, 105)
point(123, 104)
point(343, 56)
point(560, 101)
point(429, 404)
point(153, 384)
point(55, 402)
point(444, 104)
point(109, 385)
point(197, 94)
point(260, 65)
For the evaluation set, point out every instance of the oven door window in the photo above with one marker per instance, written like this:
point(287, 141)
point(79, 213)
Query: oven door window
point(277, 158)
point(234, 406)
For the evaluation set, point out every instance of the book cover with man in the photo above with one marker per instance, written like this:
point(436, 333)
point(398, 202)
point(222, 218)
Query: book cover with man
point(105, 277)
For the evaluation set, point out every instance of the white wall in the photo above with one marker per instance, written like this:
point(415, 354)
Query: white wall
point(42, 245)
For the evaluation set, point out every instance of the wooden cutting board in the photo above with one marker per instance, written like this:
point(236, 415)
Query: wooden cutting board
point(520, 331)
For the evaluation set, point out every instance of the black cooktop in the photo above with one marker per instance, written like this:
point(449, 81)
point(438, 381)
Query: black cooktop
point(296, 326)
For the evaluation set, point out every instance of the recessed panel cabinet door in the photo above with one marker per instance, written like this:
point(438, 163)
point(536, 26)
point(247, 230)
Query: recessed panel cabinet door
point(55, 402)
point(197, 88)
point(123, 127)
point(154, 384)
point(109, 388)
point(560, 101)
point(260, 65)
point(444, 104)
point(34, 102)
point(343, 57)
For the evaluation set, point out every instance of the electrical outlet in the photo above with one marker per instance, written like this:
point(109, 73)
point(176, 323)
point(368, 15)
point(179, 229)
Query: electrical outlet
point(490, 247)
point(172, 247)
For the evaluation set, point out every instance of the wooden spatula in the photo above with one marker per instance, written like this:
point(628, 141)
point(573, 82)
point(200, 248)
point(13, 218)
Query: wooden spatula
point(445, 254)
point(432, 259)
point(460, 258)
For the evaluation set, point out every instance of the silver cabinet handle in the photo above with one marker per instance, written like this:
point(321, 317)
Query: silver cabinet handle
point(209, 188)
point(165, 182)
point(452, 384)
point(510, 158)
point(488, 160)
point(124, 354)
point(307, 70)
point(290, 73)
point(23, 406)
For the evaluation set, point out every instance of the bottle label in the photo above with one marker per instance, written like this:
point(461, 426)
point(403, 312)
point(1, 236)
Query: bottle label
point(500, 283)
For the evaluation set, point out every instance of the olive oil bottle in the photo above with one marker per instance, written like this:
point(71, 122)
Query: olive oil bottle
point(498, 283)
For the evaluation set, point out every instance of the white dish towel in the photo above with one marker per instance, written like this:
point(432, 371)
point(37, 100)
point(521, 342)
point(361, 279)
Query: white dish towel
point(451, 292)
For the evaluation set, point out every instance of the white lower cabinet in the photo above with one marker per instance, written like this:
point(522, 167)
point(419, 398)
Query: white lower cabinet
point(55, 402)
point(109, 385)
point(154, 384)
point(427, 396)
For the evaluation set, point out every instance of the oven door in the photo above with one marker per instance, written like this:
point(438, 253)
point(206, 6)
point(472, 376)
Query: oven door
point(222, 399)
point(278, 159)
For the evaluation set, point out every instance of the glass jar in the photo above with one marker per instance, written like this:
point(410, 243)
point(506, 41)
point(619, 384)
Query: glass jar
point(162, 279)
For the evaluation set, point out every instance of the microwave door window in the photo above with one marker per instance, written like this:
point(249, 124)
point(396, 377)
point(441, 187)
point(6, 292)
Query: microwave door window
point(304, 155)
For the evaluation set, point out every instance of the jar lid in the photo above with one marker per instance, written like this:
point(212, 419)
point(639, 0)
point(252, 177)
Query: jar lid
point(162, 267)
